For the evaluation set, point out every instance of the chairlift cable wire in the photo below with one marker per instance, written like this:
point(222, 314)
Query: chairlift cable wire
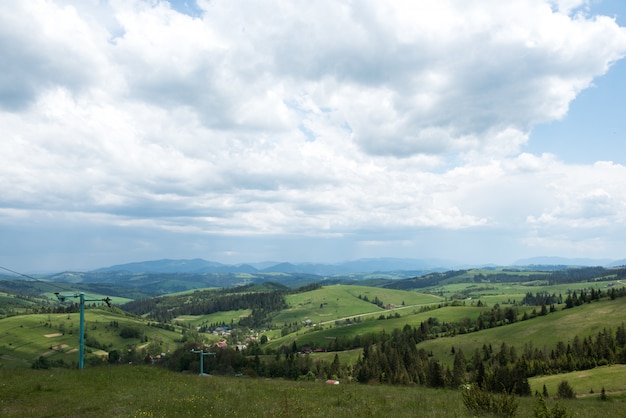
point(37, 280)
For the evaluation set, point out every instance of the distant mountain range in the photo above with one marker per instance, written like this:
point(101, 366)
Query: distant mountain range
point(571, 262)
point(200, 266)
point(151, 278)
point(366, 265)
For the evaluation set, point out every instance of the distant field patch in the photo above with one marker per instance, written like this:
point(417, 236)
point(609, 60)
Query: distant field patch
point(55, 349)
point(58, 334)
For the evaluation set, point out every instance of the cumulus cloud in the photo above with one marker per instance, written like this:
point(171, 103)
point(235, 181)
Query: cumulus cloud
point(299, 119)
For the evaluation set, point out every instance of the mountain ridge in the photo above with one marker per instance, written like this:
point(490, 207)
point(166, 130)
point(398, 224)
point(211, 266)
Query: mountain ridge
point(363, 265)
point(198, 265)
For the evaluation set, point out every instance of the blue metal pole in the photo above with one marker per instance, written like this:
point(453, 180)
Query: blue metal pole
point(202, 354)
point(81, 355)
point(81, 350)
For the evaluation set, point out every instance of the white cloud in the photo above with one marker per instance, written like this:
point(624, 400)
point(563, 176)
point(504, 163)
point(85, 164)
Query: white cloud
point(300, 119)
point(586, 198)
point(44, 46)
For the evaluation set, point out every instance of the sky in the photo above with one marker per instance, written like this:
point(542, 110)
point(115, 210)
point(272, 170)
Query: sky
point(300, 131)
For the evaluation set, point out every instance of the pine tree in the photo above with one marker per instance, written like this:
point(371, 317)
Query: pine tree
point(458, 369)
point(335, 367)
point(565, 391)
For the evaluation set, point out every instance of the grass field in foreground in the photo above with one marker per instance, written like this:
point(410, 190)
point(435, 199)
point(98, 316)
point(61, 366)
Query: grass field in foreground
point(143, 391)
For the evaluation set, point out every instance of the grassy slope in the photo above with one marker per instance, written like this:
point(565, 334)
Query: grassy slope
point(541, 332)
point(339, 301)
point(413, 318)
point(26, 337)
point(214, 318)
point(336, 302)
point(612, 378)
point(148, 391)
point(493, 293)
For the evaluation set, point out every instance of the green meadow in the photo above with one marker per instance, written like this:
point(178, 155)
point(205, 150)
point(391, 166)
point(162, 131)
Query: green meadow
point(144, 391)
point(371, 324)
point(340, 301)
point(586, 383)
point(541, 332)
point(55, 336)
point(507, 293)
point(225, 317)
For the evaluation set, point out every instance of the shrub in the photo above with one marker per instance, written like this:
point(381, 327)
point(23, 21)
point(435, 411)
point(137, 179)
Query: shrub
point(603, 396)
point(565, 391)
point(130, 332)
point(480, 402)
point(542, 411)
point(41, 363)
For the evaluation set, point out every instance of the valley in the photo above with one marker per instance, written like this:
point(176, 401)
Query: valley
point(521, 330)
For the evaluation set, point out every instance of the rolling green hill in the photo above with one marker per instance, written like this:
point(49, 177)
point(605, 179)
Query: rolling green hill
point(335, 302)
point(55, 336)
point(385, 335)
point(586, 383)
point(542, 332)
point(374, 324)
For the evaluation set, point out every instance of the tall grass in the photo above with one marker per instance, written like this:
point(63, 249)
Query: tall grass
point(143, 391)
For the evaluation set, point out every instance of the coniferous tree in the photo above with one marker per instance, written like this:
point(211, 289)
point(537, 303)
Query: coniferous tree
point(459, 369)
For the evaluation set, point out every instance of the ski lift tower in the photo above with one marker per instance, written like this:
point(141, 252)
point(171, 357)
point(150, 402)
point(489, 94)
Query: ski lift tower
point(81, 296)
point(202, 354)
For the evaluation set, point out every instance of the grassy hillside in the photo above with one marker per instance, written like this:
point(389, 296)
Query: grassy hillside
point(476, 284)
point(411, 316)
point(215, 318)
point(542, 331)
point(56, 337)
point(339, 301)
point(586, 383)
point(148, 391)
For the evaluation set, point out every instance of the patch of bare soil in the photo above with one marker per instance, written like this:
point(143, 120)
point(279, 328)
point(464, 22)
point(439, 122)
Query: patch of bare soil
point(55, 348)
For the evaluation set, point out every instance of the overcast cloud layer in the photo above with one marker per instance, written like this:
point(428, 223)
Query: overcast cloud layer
point(299, 131)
